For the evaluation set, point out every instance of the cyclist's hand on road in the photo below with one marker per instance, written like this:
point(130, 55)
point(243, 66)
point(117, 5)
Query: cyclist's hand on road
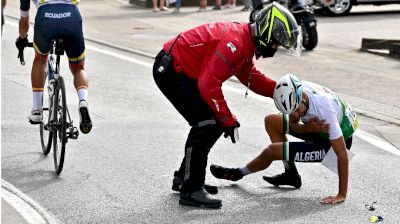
point(20, 43)
point(317, 125)
point(230, 131)
point(333, 199)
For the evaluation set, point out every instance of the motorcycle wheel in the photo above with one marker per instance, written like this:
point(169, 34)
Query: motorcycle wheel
point(310, 37)
point(253, 14)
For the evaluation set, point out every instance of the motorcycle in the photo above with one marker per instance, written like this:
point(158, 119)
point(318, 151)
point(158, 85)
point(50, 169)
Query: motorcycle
point(303, 12)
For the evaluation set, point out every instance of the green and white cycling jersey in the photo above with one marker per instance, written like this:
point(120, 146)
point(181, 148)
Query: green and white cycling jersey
point(326, 105)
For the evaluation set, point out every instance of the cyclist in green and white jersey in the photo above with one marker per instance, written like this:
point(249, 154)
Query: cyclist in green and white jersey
point(327, 122)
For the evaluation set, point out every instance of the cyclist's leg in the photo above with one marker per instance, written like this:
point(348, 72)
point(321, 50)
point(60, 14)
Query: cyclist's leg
point(76, 49)
point(309, 151)
point(275, 125)
point(72, 31)
point(42, 46)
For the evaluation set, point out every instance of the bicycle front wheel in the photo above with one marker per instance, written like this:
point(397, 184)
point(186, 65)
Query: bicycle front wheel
point(59, 134)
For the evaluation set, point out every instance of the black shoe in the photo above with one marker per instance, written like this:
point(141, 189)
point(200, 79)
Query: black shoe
point(226, 173)
point(177, 184)
point(245, 9)
point(293, 180)
point(85, 123)
point(199, 199)
point(217, 7)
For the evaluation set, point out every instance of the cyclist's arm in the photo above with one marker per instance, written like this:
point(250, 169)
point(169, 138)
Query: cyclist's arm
point(314, 125)
point(296, 126)
point(24, 20)
point(303, 128)
point(339, 147)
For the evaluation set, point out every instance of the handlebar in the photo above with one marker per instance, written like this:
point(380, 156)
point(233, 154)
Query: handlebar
point(21, 52)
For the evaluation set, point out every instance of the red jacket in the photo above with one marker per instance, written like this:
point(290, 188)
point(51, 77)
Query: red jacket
point(212, 53)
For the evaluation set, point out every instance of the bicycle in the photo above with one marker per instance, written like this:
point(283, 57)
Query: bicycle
point(56, 126)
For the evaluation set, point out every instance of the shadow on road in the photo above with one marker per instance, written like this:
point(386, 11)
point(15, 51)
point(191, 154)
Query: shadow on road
point(243, 206)
point(24, 176)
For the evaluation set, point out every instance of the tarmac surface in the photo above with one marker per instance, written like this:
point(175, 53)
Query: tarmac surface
point(137, 30)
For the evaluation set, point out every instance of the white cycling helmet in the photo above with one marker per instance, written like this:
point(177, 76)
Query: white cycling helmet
point(288, 94)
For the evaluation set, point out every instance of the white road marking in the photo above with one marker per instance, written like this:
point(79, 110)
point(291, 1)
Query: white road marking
point(377, 141)
point(120, 56)
point(26, 211)
point(30, 210)
point(372, 139)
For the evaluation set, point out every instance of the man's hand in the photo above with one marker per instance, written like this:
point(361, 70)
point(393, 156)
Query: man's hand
point(20, 43)
point(317, 126)
point(334, 199)
point(230, 131)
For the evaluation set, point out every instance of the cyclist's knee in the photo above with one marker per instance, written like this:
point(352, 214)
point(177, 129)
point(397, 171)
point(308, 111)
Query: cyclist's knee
point(76, 67)
point(40, 58)
point(273, 122)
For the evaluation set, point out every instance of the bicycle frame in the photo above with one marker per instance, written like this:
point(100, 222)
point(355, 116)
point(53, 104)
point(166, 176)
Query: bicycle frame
point(53, 74)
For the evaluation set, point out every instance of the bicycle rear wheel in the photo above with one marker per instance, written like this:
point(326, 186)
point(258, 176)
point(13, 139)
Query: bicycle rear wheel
point(59, 134)
point(46, 136)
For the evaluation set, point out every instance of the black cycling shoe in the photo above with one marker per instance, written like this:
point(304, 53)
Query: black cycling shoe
point(177, 184)
point(199, 199)
point(221, 172)
point(293, 180)
point(85, 123)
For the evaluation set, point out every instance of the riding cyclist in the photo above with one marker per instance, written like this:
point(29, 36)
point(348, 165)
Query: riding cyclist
point(328, 122)
point(190, 71)
point(56, 19)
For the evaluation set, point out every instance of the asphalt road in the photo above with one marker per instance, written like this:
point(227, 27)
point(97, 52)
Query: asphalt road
point(122, 171)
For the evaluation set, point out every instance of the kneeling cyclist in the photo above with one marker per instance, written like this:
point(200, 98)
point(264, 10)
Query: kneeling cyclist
point(56, 19)
point(328, 122)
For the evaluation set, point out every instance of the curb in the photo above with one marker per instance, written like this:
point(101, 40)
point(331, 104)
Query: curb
point(46, 215)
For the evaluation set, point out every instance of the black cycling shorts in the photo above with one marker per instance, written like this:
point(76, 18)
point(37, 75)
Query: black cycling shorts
point(60, 21)
point(312, 149)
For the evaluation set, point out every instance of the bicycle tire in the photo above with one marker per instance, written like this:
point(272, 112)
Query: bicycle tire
point(45, 140)
point(46, 136)
point(59, 134)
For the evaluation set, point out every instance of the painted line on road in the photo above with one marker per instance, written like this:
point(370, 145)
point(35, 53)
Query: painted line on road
point(120, 56)
point(30, 210)
point(372, 139)
point(377, 141)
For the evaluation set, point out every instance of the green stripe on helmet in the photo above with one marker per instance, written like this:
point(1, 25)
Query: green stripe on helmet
point(266, 23)
point(278, 14)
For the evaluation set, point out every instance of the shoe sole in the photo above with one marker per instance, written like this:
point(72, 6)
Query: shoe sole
point(35, 122)
point(209, 188)
point(196, 204)
point(86, 122)
point(277, 185)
